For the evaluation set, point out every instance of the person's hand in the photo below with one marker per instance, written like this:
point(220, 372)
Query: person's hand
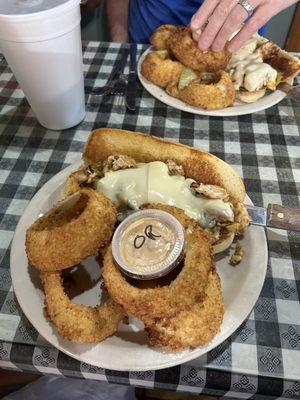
point(216, 20)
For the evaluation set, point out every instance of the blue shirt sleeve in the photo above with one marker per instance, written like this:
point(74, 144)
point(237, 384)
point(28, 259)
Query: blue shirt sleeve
point(145, 16)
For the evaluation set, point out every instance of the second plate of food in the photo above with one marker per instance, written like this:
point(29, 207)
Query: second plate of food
point(239, 108)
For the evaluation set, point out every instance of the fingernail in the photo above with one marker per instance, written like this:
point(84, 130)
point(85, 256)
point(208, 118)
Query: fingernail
point(231, 48)
point(193, 23)
point(202, 48)
point(216, 48)
point(196, 34)
point(202, 45)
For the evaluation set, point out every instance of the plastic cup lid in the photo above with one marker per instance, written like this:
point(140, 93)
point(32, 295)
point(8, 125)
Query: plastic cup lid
point(23, 7)
point(30, 21)
point(148, 244)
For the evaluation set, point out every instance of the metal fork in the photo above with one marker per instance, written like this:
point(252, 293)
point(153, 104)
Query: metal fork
point(119, 92)
point(120, 100)
point(119, 87)
point(112, 88)
point(113, 82)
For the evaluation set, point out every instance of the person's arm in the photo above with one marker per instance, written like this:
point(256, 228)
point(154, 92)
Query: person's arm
point(117, 17)
point(219, 19)
point(89, 5)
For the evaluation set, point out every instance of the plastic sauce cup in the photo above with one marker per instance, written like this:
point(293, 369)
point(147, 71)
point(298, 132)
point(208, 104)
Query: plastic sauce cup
point(148, 244)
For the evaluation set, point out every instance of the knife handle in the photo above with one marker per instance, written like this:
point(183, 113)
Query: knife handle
point(284, 87)
point(282, 217)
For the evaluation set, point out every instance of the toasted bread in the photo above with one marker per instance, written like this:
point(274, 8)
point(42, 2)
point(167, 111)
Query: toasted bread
point(250, 97)
point(199, 165)
point(287, 66)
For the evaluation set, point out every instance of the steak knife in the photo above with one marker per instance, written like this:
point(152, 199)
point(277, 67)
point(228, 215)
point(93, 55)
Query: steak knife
point(131, 84)
point(275, 216)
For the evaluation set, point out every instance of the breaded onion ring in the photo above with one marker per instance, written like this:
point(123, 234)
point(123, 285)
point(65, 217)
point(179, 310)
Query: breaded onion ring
point(193, 327)
point(160, 39)
point(71, 231)
point(76, 322)
point(184, 291)
point(209, 91)
point(186, 50)
point(159, 69)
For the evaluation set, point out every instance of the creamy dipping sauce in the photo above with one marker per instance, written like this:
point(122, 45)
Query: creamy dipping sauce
point(146, 244)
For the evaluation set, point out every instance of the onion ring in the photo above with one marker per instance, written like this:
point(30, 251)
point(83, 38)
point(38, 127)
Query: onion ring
point(159, 69)
point(194, 327)
point(75, 322)
point(184, 291)
point(72, 230)
point(186, 50)
point(200, 92)
point(160, 39)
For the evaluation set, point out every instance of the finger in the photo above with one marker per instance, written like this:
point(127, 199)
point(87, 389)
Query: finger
point(262, 14)
point(196, 34)
point(216, 21)
point(232, 24)
point(259, 18)
point(202, 15)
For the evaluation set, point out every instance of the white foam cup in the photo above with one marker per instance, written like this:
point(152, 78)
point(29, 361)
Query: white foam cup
point(41, 42)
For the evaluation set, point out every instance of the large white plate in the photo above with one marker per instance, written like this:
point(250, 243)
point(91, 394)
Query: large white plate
point(238, 108)
point(128, 350)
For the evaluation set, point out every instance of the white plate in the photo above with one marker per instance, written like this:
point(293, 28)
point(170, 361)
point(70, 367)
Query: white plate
point(239, 108)
point(128, 350)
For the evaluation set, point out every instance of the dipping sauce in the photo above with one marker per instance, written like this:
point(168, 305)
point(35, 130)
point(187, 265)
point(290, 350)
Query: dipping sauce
point(148, 244)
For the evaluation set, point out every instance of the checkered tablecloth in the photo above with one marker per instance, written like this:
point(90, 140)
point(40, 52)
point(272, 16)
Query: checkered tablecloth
point(263, 356)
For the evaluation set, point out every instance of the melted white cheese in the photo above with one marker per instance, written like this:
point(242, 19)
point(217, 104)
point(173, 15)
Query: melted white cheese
point(151, 183)
point(248, 70)
point(248, 48)
point(129, 186)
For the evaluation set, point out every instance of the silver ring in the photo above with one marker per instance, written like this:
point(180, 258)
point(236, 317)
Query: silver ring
point(247, 7)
